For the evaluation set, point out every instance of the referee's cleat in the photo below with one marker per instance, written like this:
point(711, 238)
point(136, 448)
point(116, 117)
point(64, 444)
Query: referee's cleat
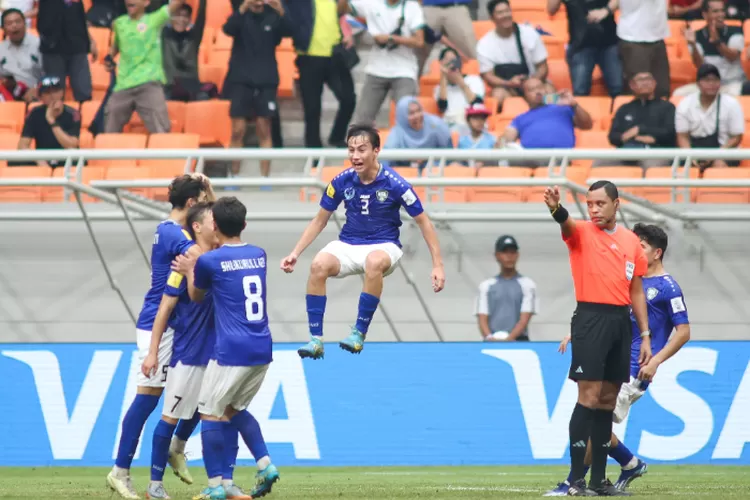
point(216, 493)
point(122, 485)
point(579, 489)
point(607, 489)
point(313, 349)
point(264, 480)
point(561, 490)
point(178, 462)
point(354, 343)
point(628, 476)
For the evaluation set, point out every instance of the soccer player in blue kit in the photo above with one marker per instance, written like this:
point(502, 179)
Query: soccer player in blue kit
point(369, 244)
point(170, 240)
point(666, 312)
point(235, 275)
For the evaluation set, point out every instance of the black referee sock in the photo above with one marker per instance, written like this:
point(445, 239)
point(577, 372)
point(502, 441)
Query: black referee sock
point(580, 431)
point(601, 437)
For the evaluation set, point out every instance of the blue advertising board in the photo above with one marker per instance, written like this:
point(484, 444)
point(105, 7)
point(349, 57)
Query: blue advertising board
point(395, 404)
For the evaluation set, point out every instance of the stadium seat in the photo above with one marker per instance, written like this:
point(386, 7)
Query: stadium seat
point(724, 195)
point(429, 105)
point(218, 58)
point(682, 72)
point(383, 133)
point(88, 113)
point(454, 194)
point(101, 37)
point(217, 13)
point(100, 80)
point(287, 73)
point(128, 172)
point(176, 110)
point(410, 173)
point(559, 74)
point(171, 141)
point(745, 102)
point(664, 194)
point(117, 141)
point(12, 116)
point(8, 142)
point(598, 108)
point(210, 120)
point(497, 124)
point(222, 41)
point(213, 74)
point(513, 106)
point(55, 194)
point(511, 194)
point(576, 174)
point(592, 139)
point(481, 28)
point(555, 47)
point(23, 194)
point(286, 45)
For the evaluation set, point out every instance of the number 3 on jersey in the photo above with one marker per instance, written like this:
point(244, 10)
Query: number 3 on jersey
point(365, 205)
point(254, 309)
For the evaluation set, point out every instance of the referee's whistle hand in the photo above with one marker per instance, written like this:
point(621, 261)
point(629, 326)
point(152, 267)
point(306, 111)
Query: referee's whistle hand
point(552, 197)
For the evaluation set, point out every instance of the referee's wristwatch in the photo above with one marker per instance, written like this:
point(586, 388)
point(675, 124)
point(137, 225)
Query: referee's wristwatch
point(645, 333)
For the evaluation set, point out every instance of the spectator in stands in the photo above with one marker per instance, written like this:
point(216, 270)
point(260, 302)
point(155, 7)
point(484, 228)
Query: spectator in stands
point(65, 44)
point(28, 8)
point(140, 75)
point(477, 137)
point(19, 56)
point(709, 119)
point(102, 13)
point(253, 79)
point(506, 302)
point(643, 123)
point(180, 43)
point(642, 29)
point(452, 18)
point(593, 42)
point(717, 44)
point(51, 125)
point(685, 9)
point(416, 129)
point(397, 26)
point(325, 57)
point(456, 91)
point(510, 53)
point(550, 121)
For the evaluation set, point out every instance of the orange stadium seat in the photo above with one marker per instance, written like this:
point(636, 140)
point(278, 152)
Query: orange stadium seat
point(724, 195)
point(210, 120)
point(287, 73)
point(592, 139)
point(88, 113)
point(513, 106)
point(117, 141)
point(512, 194)
point(576, 174)
point(100, 79)
point(8, 142)
point(129, 172)
point(176, 110)
point(55, 194)
point(455, 194)
point(213, 74)
point(102, 38)
point(559, 75)
point(217, 13)
point(384, 133)
point(664, 194)
point(597, 107)
point(681, 72)
point(171, 141)
point(218, 58)
point(286, 45)
point(222, 41)
point(12, 116)
point(23, 194)
point(481, 28)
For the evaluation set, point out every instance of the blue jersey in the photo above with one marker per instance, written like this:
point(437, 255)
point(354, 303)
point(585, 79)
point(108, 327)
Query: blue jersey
point(170, 240)
point(236, 277)
point(194, 336)
point(372, 210)
point(666, 310)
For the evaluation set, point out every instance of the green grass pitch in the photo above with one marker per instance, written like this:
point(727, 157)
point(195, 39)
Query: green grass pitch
point(375, 483)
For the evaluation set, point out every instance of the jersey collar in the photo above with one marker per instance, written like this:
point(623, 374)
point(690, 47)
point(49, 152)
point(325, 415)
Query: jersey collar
point(234, 245)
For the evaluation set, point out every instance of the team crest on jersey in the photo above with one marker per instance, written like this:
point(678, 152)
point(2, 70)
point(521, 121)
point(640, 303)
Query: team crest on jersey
point(381, 195)
point(651, 293)
point(349, 193)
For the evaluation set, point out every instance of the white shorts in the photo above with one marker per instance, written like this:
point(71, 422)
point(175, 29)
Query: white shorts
point(182, 391)
point(352, 257)
point(229, 385)
point(143, 341)
point(628, 395)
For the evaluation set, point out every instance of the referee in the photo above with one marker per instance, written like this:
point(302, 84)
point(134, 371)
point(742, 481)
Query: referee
point(607, 262)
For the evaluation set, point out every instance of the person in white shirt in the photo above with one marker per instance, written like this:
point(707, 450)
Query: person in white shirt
point(456, 91)
point(20, 57)
point(642, 29)
point(397, 26)
point(510, 53)
point(709, 119)
point(717, 44)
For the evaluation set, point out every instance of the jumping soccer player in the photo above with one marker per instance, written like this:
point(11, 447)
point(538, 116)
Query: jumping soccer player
point(235, 274)
point(170, 240)
point(666, 312)
point(373, 195)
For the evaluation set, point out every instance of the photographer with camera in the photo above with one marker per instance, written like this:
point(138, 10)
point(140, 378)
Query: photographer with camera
point(397, 26)
point(456, 91)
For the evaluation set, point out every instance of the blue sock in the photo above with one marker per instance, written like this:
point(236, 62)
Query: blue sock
point(212, 437)
point(132, 426)
point(160, 449)
point(231, 448)
point(316, 308)
point(368, 304)
point(185, 428)
point(570, 474)
point(621, 454)
point(250, 432)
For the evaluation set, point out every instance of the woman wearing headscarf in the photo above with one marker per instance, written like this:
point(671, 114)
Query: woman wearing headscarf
point(416, 129)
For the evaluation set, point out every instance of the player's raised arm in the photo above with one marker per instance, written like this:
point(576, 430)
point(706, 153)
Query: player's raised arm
point(559, 213)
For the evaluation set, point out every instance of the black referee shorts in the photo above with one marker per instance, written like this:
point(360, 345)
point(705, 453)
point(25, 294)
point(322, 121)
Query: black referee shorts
point(601, 336)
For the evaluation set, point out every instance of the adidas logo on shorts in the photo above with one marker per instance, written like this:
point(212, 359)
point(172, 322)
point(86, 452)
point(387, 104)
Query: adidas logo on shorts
point(579, 444)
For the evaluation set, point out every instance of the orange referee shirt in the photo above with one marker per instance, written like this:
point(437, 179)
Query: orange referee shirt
point(604, 263)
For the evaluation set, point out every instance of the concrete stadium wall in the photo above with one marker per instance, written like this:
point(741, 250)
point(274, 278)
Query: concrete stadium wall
point(53, 289)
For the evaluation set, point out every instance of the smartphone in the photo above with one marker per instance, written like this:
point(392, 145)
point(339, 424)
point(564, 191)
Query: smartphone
point(551, 98)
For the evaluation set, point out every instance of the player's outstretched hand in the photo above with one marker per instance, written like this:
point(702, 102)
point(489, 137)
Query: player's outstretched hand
point(288, 263)
point(183, 264)
point(148, 368)
point(564, 345)
point(438, 278)
point(552, 197)
point(647, 372)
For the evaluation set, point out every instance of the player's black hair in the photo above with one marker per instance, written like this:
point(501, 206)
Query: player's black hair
point(8, 12)
point(367, 131)
point(653, 235)
point(608, 187)
point(183, 188)
point(196, 213)
point(706, 3)
point(494, 3)
point(446, 50)
point(229, 216)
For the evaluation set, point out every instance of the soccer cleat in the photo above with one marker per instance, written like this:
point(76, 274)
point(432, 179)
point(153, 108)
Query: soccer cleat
point(313, 349)
point(561, 490)
point(354, 343)
point(234, 492)
point(178, 462)
point(607, 489)
point(264, 480)
point(579, 489)
point(628, 476)
point(156, 491)
point(122, 486)
point(216, 493)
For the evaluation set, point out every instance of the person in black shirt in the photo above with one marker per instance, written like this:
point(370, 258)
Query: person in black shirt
point(643, 123)
point(253, 77)
point(51, 125)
